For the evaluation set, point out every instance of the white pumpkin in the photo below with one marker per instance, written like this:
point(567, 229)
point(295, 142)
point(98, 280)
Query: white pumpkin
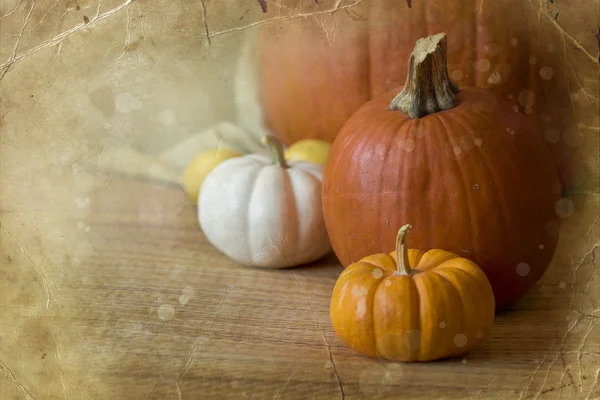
point(265, 212)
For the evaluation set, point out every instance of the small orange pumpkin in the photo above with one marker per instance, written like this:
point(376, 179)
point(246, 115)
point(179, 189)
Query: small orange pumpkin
point(383, 308)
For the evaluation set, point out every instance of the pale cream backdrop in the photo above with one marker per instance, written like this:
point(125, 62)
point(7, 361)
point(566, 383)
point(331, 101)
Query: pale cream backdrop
point(108, 289)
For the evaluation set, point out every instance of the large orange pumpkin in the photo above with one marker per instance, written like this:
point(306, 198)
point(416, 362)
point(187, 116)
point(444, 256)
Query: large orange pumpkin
point(317, 69)
point(467, 169)
point(382, 307)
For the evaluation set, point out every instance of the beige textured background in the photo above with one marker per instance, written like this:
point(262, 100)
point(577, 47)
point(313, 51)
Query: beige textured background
point(108, 289)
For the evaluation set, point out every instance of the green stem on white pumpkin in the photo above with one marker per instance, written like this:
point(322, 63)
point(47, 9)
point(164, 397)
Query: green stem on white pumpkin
point(402, 261)
point(428, 88)
point(276, 149)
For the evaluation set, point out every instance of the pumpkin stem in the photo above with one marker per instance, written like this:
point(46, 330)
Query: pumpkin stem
point(276, 149)
point(428, 88)
point(402, 253)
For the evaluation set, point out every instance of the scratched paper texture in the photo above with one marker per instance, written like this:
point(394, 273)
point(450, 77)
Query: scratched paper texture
point(108, 289)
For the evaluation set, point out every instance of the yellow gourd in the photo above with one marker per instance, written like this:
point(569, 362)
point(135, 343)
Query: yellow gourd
point(201, 166)
point(311, 150)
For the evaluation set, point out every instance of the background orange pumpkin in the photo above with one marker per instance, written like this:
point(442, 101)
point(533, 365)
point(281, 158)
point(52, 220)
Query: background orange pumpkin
point(316, 71)
point(475, 179)
point(382, 307)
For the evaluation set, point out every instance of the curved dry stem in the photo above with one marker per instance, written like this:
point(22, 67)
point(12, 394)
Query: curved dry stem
point(428, 88)
point(276, 149)
point(402, 262)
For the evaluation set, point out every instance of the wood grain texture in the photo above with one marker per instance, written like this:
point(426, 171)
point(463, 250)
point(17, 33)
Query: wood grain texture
point(113, 323)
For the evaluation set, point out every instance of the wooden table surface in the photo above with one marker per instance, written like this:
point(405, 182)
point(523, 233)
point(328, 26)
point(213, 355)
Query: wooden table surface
point(140, 306)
